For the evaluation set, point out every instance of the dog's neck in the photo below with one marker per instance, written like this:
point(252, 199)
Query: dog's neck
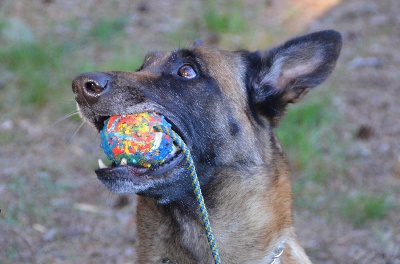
point(231, 215)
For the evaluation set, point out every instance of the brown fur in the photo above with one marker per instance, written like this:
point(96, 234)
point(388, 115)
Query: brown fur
point(249, 218)
point(247, 187)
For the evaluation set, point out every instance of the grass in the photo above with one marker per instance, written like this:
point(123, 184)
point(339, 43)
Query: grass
point(17, 211)
point(38, 78)
point(363, 207)
point(124, 59)
point(224, 16)
point(42, 73)
point(314, 155)
point(5, 137)
point(219, 17)
point(304, 132)
point(106, 30)
point(35, 68)
point(301, 133)
point(31, 198)
point(313, 151)
point(35, 79)
point(38, 74)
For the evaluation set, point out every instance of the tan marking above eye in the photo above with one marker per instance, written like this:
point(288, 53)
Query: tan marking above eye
point(187, 71)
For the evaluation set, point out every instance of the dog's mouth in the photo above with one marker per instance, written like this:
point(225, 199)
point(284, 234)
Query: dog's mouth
point(123, 177)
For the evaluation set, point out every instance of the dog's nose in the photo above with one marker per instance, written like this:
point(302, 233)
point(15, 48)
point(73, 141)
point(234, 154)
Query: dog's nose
point(91, 85)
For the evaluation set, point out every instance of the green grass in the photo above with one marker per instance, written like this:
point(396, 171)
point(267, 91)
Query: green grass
point(35, 68)
point(224, 16)
point(32, 199)
point(5, 137)
point(106, 30)
point(313, 151)
point(124, 59)
point(3, 24)
point(301, 134)
point(314, 155)
point(17, 210)
point(362, 208)
point(38, 75)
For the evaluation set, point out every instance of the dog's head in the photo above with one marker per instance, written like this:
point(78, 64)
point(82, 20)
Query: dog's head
point(223, 104)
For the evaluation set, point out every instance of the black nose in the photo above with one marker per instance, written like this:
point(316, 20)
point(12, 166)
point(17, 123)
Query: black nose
point(91, 84)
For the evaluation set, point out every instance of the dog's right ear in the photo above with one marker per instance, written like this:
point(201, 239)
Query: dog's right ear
point(286, 73)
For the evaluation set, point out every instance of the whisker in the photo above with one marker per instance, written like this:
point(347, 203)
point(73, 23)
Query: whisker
point(75, 112)
point(76, 132)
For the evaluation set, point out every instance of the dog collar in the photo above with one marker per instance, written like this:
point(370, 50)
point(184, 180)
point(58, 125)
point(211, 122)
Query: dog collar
point(273, 257)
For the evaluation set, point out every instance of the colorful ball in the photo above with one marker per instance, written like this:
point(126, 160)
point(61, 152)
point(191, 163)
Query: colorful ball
point(132, 140)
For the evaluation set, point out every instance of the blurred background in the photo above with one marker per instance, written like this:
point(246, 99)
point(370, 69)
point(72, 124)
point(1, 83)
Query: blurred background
point(342, 140)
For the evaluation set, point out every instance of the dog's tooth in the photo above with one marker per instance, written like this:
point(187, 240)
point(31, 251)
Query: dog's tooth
point(101, 164)
point(174, 149)
point(123, 162)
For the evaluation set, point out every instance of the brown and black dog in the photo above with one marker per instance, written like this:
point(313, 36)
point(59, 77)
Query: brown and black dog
point(225, 105)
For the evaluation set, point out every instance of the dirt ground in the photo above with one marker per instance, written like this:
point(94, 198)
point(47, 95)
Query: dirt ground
point(78, 221)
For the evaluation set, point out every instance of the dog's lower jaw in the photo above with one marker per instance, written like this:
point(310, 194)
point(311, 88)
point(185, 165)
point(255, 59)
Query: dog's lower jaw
point(165, 186)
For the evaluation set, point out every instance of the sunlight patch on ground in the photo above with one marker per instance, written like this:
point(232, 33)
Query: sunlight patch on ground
point(301, 13)
point(298, 14)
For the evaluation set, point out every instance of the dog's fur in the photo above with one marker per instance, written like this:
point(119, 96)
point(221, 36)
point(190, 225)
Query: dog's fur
point(225, 105)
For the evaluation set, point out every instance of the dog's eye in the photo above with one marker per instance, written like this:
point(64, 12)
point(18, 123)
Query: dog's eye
point(187, 71)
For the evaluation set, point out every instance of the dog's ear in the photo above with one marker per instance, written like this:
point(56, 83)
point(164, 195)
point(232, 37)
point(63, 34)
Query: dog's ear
point(286, 73)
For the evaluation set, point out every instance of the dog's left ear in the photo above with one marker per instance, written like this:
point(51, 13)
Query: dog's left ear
point(286, 73)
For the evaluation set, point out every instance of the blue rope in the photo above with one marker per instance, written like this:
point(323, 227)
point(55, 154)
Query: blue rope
point(196, 189)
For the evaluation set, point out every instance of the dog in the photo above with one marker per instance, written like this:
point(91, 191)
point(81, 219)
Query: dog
point(225, 105)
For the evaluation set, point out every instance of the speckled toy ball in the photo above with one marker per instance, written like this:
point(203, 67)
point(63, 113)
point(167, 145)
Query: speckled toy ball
point(132, 140)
